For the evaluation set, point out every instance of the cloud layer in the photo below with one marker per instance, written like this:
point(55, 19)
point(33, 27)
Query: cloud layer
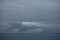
point(30, 16)
point(28, 27)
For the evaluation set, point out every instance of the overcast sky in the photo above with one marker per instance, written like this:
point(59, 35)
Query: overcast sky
point(30, 11)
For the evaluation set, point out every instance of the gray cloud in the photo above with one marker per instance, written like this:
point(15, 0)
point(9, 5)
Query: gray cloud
point(34, 30)
point(28, 13)
point(28, 27)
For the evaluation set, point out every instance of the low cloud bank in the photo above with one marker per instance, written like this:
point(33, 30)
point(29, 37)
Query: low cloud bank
point(28, 27)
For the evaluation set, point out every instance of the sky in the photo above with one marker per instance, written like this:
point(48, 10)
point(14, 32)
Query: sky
point(31, 16)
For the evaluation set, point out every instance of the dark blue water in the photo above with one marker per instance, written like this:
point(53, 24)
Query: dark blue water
point(22, 36)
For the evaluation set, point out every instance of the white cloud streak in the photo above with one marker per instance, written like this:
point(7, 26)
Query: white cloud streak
point(38, 24)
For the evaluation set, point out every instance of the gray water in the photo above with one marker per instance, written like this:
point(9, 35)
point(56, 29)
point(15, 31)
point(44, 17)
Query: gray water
point(17, 36)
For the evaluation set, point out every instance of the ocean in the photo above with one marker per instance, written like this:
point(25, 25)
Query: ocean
point(28, 36)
